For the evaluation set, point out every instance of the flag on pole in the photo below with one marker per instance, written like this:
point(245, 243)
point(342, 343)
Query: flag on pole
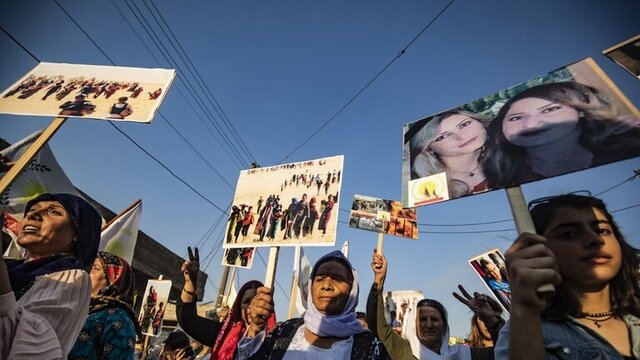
point(303, 268)
point(119, 236)
point(345, 249)
point(42, 175)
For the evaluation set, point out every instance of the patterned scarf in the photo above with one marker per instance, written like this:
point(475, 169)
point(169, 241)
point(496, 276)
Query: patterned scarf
point(234, 327)
point(120, 288)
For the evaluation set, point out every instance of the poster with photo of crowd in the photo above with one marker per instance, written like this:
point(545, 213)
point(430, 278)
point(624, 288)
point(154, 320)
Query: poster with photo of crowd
point(292, 204)
point(239, 257)
point(490, 267)
point(567, 120)
point(88, 91)
point(396, 306)
point(154, 304)
point(383, 216)
point(627, 55)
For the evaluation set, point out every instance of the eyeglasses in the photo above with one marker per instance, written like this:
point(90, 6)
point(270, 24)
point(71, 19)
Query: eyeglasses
point(547, 199)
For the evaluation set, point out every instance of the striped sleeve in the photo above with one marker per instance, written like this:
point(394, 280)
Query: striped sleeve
point(62, 300)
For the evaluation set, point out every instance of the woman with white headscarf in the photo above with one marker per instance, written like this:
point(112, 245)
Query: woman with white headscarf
point(328, 328)
point(426, 336)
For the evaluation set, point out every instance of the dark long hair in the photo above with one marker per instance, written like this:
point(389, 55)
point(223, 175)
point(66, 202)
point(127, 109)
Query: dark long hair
point(624, 287)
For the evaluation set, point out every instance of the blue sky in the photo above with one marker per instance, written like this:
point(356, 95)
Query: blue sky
point(279, 70)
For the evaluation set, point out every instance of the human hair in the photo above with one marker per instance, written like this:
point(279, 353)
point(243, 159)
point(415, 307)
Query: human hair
point(424, 162)
point(476, 338)
point(438, 306)
point(597, 122)
point(177, 340)
point(361, 316)
point(235, 311)
point(624, 287)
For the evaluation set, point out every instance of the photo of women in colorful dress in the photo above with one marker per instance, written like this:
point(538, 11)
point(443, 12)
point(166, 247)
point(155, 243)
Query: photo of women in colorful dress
point(239, 257)
point(155, 299)
point(491, 268)
point(567, 120)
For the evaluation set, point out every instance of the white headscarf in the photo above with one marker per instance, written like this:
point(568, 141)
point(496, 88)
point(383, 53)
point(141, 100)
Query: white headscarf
point(421, 352)
point(341, 325)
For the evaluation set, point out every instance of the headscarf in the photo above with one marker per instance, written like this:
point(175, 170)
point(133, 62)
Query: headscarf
point(234, 327)
point(421, 352)
point(341, 325)
point(87, 223)
point(120, 288)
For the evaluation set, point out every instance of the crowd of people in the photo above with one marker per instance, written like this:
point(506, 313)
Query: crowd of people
point(544, 131)
point(68, 300)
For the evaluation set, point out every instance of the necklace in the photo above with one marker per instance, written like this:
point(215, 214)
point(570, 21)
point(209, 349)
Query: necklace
point(467, 173)
point(597, 318)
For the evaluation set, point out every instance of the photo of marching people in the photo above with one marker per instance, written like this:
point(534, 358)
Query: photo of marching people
point(290, 204)
point(492, 269)
point(239, 257)
point(570, 119)
point(155, 299)
point(88, 91)
point(383, 216)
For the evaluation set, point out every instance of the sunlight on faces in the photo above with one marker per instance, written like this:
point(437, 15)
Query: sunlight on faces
point(458, 135)
point(587, 250)
point(331, 287)
point(430, 326)
point(98, 280)
point(245, 301)
point(534, 122)
point(47, 229)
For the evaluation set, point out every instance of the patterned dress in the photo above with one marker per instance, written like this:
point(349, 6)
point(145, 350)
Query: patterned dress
point(107, 334)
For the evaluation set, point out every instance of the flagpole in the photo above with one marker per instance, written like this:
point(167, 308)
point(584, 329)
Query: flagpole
point(135, 203)
point(28, 155)
point(294, 282)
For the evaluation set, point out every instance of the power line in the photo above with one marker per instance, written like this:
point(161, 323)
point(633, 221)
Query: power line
point(144, 43)
point(460, 224)
point(636, 173)
point(190, 88)
point(212, 98)
point(354, 97)
point(118, 129)
point(276, 281)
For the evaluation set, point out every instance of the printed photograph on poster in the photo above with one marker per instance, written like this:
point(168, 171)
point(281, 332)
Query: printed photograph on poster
point(627, 55)
point(88, 91)
point(154, 303)
point(396, 305)
point(286, 205)
point(491, 268)
point(383, 216)
point(567, 120)
point(239, 257)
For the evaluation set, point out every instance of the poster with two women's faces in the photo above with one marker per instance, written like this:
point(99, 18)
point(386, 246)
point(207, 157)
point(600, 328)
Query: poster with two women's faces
point(567, 120)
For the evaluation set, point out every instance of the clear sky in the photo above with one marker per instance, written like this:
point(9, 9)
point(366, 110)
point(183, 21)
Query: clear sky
point(279, 70)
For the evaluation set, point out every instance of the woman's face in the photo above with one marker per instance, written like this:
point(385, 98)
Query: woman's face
point(98, 281)
point(587, 251)
point(47, 229)
point(532, 122)
point(244, 303)
point(493, 271)
point(331, 287)
point(430, 326)
point(458, 135)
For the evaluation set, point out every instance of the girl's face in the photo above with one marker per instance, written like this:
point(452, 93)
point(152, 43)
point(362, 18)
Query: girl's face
point(458, 135)
point(532, 122)
point(587, 251)
point(244, 304)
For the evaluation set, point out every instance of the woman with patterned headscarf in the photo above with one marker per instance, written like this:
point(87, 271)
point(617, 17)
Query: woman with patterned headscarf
point(111, 328)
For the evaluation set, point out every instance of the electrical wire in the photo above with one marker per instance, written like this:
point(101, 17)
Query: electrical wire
point(375, 77)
